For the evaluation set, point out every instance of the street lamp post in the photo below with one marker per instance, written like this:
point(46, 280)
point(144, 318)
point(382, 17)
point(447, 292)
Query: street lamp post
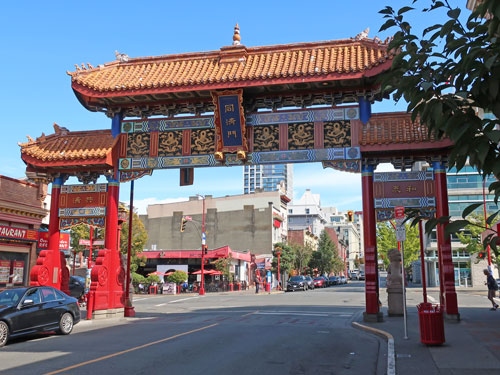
point(129, 309)
point(278, 253)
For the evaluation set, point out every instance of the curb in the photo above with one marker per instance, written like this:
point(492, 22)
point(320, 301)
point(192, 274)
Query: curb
point(391, 361)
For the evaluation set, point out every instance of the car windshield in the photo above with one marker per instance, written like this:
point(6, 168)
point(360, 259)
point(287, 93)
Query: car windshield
point(296, 278)
point(318, 278)
point(11, 296)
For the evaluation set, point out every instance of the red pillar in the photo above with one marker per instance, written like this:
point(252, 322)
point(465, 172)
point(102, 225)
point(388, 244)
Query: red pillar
point(50, 268)
point(448, 295)
point(372, 312)
point(111, 238)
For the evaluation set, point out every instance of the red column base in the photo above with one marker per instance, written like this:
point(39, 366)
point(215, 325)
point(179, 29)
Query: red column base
point(129, 312)
point(202, 292)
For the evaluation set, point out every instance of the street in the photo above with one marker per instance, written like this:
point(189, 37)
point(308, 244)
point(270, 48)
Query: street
point(285, 333)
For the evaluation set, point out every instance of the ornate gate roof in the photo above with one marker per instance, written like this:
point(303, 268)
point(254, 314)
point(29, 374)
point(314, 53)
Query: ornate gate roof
point(277, 70)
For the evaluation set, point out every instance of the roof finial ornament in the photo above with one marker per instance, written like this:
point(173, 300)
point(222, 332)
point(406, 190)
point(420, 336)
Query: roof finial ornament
point(363, 34)
point(121, 57)
point(236, 36)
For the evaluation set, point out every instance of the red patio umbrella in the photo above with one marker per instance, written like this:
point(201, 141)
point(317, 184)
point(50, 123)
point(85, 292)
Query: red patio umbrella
point(157, 273)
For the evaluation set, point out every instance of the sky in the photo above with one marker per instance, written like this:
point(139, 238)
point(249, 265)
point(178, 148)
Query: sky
point(40, 41)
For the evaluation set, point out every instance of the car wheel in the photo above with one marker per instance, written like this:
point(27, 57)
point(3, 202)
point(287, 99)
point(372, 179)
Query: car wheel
point(66, 324)
point(4, 333)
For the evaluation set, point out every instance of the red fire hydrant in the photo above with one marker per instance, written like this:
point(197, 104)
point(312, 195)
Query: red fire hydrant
point(430, 318)
point(231, 287)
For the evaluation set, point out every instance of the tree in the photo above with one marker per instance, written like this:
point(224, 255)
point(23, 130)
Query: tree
point(223, 265)
point(286, 258)
point(139, 239)
point(386, 240)
point(449, 76)
point(82, 231)
point(301, 256)
point(471, 237)
point(326, 258)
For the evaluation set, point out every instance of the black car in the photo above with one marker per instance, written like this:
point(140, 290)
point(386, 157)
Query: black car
point(333, 280)
point(296, 283)
point(76, 286)
point(310, 282)
point(28, 310)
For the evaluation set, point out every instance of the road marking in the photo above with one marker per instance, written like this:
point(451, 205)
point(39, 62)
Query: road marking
point(161, 304)
point(323, 331)
point(130, 350)
point(250, 313)
point(432, 299)
point(287, 313)
point(183, 299)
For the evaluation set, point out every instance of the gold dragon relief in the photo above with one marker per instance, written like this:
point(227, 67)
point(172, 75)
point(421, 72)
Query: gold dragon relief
point(138, 144)
point(170, 143)
point(202, 141)
point(266, 138)
point(337, 134)
point(301, 136)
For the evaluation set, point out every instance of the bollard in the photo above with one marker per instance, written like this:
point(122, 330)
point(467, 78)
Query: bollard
point(90, 305)
point(231, 287)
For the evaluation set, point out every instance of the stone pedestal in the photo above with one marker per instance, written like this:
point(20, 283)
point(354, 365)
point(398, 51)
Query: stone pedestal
point(395, 301)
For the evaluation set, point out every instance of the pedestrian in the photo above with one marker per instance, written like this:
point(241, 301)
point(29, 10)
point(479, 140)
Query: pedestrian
point(492, 288)
point(257, 281)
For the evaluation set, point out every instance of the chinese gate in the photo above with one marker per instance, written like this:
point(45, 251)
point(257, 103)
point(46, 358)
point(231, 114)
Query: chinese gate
point(331, 83)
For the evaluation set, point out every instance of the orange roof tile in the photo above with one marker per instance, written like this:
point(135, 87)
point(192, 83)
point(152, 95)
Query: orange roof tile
point(330, 60)
point(69, 146)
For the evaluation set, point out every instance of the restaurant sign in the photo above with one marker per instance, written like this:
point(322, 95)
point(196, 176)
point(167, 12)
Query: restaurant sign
point(18, 233)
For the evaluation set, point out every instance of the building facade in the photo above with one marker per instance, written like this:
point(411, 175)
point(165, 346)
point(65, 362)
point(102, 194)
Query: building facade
point(21, 214)
point(306, 213)
point(268, 178)
point(248, 222)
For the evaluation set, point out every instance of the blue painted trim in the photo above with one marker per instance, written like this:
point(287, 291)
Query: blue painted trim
point(365, 109)
point(115, 124)
point(367, 169)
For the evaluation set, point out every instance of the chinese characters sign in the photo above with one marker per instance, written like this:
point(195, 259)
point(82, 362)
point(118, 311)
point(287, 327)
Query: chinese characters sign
point(408, 189)
point(229, 121)
point(83, 200)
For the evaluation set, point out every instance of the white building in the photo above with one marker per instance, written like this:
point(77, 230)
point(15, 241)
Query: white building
point(306, 213)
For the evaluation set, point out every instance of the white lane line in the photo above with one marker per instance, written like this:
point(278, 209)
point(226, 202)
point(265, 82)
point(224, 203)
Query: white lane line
point(432, 299)
point(285, 313)
point(183, 299)
point(161, 304)
point(141, 299)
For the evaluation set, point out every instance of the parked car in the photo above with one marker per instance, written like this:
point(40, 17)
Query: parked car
point(361, 275)
point(353, 275)
point(28, 310)
point(343, 280)
point(320, 282)
point(76, 286)
point(333, 280)
point(310, 282)
point(298, 282)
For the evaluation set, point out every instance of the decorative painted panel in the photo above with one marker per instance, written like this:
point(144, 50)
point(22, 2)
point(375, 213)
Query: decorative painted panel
point(164, 124)
point(138, 144)
point(170, 143)
point(202, 141)
point(337, 134)
point(266, 138)
point(301, 136)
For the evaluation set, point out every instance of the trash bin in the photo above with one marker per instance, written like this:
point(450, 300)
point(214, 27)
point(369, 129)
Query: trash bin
point(430, 318)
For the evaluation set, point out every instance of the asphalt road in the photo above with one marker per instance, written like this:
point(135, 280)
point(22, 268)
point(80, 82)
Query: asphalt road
point(231, 333)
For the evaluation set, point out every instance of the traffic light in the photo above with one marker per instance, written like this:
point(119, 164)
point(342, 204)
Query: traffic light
point(481, 255)
point(350, 216)
point(183, 224)
point(205, 249)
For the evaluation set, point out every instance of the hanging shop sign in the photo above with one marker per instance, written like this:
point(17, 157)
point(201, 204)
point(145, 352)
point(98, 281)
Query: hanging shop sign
point(43, 240)
point(18, 233)
point(229, 121)
point(18, 272)
point(4, 271)
point(82, 204)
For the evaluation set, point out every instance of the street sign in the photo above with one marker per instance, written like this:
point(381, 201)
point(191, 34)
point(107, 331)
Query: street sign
point(98, 243)
point(401, 233)
point(84, 242)
point(399, 212)
point(203, 238)
point(188, 218)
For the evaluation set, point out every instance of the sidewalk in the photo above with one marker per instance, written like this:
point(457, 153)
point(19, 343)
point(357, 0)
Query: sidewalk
point(472, 345)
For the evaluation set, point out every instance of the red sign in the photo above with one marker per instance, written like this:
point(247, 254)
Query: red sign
point(18, 233)
point(81, 196)
point(399, 212)
point(43, 240)
point(277, 223)
point(18, 272)
point(84, 242)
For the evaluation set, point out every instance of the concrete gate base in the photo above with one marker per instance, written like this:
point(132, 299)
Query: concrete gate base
point(109, 313)
point(373, 318)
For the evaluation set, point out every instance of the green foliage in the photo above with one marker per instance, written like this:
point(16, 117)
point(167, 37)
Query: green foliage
point(137, 278)
point(177, 277)
point(326, 258)
point(139, 239)
point(471, 237)
point(301, 256)
point(386, 240)
point(153, 279)
point(223, 265)
point(286, 258)
point(82, 231)
point(449, 76)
